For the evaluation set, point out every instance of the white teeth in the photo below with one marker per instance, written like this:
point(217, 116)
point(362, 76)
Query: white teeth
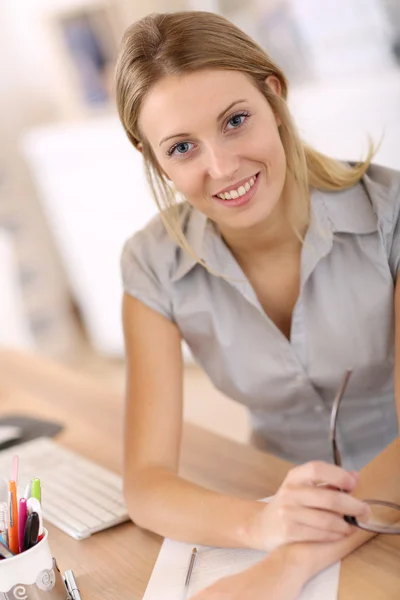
point(239, 192)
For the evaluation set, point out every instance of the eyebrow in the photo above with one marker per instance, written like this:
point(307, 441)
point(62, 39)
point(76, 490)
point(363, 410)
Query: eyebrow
point(220, 116)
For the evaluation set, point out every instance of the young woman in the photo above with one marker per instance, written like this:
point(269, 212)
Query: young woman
point(278, 269)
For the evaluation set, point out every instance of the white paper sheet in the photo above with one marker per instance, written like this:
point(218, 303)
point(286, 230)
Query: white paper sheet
point(169, 574)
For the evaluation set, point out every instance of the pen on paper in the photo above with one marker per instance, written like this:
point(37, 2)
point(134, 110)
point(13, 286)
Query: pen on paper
point(189, 571)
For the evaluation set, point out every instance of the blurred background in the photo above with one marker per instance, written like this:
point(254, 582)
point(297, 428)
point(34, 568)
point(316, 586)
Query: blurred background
point(72, 189)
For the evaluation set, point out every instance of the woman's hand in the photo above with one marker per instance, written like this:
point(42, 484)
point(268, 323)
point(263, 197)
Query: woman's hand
point(278, 577)
point(309, 506)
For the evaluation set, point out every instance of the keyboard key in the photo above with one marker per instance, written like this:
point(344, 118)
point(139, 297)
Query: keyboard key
point(79, 496)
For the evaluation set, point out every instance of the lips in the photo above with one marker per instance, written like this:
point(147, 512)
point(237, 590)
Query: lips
point(237, 190)
point(239, 199)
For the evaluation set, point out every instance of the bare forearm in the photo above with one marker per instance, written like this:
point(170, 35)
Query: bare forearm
point(314, 558)
point(173, 507)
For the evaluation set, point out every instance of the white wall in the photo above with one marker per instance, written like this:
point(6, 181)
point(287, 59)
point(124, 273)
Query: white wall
point(348, 38)
point(14, 326)
point(337, 117)
point(35, 51)
point(94, 193)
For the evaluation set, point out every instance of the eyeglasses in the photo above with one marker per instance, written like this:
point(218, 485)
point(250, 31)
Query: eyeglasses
point(384, 516)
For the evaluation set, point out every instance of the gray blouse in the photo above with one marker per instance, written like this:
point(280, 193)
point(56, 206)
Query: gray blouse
point(344, 316)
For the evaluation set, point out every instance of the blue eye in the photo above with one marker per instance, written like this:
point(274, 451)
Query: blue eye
point(180, 148)
point(237, 120)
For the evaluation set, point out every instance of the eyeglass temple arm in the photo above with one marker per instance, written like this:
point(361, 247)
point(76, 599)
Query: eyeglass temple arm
point(335, 409)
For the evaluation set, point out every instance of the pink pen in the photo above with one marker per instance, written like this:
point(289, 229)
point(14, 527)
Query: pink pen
point(22, 517)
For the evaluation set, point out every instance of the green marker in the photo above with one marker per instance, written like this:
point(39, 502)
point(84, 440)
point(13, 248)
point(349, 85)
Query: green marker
point(36, 490)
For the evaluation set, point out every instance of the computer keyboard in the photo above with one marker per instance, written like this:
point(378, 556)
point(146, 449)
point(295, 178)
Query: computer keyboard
point(78, 496)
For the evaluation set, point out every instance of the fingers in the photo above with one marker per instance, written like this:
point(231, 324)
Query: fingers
point(331, 500)
point(311, 503)
point(304, 533)
point(315, 472)
point(328, 522)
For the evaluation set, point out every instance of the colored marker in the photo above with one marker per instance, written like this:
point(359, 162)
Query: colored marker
point(13, 541)
point(31, 532)
point(36, 490)
point(33, 505)
point(28, 490)
point(22, 518)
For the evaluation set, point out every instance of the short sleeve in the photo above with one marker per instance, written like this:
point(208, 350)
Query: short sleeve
point(383, 187)
point(142, 264)
point(394, 251)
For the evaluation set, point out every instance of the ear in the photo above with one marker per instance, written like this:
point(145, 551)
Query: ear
point(139, 146)
point(274, 84)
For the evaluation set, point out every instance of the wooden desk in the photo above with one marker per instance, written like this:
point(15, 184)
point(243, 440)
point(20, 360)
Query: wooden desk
point(116, 564)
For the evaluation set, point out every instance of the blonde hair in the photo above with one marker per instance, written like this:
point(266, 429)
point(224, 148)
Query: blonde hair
point(185, 42)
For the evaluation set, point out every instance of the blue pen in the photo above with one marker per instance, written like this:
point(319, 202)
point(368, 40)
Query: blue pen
point(5, 551)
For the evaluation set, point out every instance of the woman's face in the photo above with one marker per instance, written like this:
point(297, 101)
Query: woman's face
point(216, 138)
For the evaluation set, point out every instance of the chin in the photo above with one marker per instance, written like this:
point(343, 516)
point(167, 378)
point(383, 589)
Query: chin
point(251, 218)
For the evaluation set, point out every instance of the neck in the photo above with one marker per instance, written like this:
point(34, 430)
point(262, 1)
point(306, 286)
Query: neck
point(276, 234)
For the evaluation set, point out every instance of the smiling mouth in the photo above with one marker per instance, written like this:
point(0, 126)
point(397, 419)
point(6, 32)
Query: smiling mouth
point(239, 191)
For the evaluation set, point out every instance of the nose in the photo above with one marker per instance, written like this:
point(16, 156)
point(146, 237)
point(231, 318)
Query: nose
point(222, 164)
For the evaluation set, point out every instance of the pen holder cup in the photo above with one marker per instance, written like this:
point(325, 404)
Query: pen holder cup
point(32, 575)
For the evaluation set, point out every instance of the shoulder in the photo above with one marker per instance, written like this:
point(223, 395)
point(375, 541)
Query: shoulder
point(382, 185)
point(153, 249)
point(385, 177)
point(383, 189)
point(370, 205)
